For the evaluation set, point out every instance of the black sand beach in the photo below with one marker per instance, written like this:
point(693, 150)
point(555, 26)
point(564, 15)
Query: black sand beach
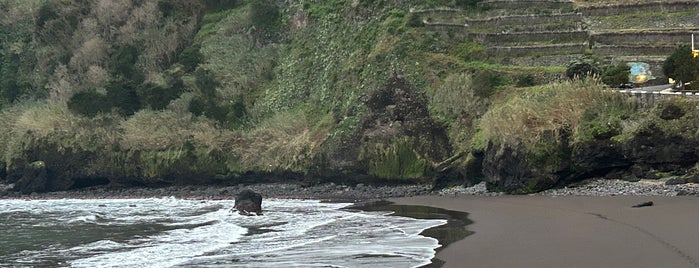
point(571, 231)
point(592, 224)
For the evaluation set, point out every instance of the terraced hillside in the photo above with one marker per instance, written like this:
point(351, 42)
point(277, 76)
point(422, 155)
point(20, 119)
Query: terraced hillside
point(641, 31)
point(554, 32)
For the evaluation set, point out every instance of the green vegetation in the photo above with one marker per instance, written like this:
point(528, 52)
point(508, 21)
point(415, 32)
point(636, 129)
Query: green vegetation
point(396, 161)
point(583, 68)
point(159, 92)
point(681, 65)
point(644, 20)
point(616, 75)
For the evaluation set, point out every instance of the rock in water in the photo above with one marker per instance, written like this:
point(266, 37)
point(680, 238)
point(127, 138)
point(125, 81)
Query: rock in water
point(644, 204)
point(248, 203)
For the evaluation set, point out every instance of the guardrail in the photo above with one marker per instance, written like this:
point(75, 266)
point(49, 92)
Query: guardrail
point(647, 99)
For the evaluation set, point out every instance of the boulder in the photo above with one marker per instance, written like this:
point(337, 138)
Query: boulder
point(510, 169)
point(248, 203)
point(676, 181)
point(644, 204)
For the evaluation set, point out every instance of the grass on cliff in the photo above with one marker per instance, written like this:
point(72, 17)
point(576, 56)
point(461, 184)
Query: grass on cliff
point(532, 114)
point(287, 141)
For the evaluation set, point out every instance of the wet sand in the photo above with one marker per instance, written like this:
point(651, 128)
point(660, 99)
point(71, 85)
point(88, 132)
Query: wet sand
point(574, 231)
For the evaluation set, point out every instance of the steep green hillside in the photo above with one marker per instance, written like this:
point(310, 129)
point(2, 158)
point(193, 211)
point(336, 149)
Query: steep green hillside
point(167, 91)
point(160, 92)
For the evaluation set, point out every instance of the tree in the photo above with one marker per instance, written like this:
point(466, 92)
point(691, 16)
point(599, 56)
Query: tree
point(122, 62)
point(681, 66)
point(583, 67)
point(122, 95)
point(616, 75)
point(89, 103)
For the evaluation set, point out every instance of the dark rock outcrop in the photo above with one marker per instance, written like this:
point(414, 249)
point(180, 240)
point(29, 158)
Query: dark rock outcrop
point(400, 109)
point(653, 145)
point(676, 181)
point(598, 158)
point(519, 168)
point(32, 178)
point(504, 168)
point(248, 203)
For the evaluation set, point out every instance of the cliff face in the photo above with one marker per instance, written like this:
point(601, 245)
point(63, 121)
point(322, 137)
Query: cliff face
point(162, 92)
point(165, 92)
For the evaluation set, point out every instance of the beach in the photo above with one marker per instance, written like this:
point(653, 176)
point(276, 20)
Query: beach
point(571, 231)
point(587, 224)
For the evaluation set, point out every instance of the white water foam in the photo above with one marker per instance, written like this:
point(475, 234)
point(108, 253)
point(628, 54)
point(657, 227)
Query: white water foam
point(174, 247)
point(292, 233)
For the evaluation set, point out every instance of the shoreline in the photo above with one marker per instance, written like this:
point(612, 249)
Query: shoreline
point(454, 230)
point(359, 192)
point(324, 192)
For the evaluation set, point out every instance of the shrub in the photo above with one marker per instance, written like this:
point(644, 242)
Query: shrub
point(457, 97)
point(156, 96)
point(486, 82)
point(9, 66)
point(470, 51)
point(190, 58)
point(525, 80)
point(89, 103)
point(230, 114)
point(414, 20)
point(616, 75)
point(216, 5)
point(202, 106)
point(206, 82)
point(122, 95)
point(582, 68)
point(46, 13)
point(265, 15)
point(235, 112)
point(122, 62)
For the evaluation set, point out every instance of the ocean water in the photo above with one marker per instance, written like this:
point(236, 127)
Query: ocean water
point(171, 232)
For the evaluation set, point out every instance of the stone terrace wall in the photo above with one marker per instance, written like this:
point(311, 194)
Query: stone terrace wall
point(524, 19)
point(525, 4)
point(449, 29)
point(640, 7)
point(519, 51)
point(540, 60)
point(555, 37)
point(627, 50)
point(670, 38)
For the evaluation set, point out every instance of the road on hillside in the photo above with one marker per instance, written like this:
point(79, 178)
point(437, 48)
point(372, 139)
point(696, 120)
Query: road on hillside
point(651, 89)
